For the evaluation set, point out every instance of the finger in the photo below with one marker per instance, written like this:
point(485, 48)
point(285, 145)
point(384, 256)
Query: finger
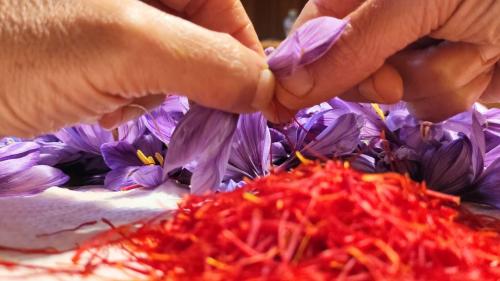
point(384, 86)
point(228, 16)
point(378, 30)
point(439, 69)
point(171, 55)
point(131, 111)
point(437, 108)
point(334, 8)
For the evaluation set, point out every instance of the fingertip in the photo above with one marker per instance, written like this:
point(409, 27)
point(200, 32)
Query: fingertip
point(265, 90)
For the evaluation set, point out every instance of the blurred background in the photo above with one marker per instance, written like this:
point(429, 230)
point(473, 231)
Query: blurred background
point(272, 18)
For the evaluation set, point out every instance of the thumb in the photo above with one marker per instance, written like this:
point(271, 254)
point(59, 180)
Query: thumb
point(167, 54)
point(378, 29)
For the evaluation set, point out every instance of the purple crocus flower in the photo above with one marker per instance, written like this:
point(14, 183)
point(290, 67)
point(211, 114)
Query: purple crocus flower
point(449, 167)
point(250, 151)
point(162, 121)
point(20, 173)
point(487, 189)
point(134, 164)
point(86, 138)
point(202, 140)
point(323, 137)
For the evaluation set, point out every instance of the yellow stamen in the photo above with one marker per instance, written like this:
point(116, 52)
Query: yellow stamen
point(159, 158)
point(379, 111)
point(302, 159)
point(145, 159)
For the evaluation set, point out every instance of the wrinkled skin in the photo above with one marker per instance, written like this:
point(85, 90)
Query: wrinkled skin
point(72, 61)
point(440, 56)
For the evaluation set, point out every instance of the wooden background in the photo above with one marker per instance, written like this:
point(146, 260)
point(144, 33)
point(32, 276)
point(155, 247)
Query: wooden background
point(268, 15)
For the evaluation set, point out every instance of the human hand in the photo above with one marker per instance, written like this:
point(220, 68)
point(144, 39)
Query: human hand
point(391, 51)
point(65, 62)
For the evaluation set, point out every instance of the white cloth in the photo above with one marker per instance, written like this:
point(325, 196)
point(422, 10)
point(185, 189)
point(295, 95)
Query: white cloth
point(24, 219)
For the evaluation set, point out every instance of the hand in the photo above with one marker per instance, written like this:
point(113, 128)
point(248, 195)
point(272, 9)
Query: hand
point(440, 56)
point(65, 62)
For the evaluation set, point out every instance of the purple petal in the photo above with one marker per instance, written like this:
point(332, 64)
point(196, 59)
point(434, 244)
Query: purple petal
point(148, 176)
point(13, 166)
point(339, 138)
point(363, 163)
point(492, 125)
point(119, 155)
point(32, 181)
point(88, 138)
point(449, 168)
point(492, 156)
point(204, 136)
point(131, 131)
point(306, 45)
point(162, 121)
point(54, 153)
point(17, 149)
point(373, 126)
point(487, 189)
point(120, 178)
point(250, 154)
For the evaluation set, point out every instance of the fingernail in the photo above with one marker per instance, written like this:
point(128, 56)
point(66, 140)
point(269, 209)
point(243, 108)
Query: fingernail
point(299, 84)
point(265, 90)
point(489, 53)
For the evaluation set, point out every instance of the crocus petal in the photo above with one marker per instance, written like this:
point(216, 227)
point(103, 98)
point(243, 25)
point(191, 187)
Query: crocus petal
point(306, 45)
point(492, 156)
point(204, 136)
point(131, 131)
point(120, 155)
point(250, 154)
point(148, 176)
point(162, 121)
point(487, 189)
point(88, 138)
point(374, 124)
point(363, 163)
point(231, 186)
point(17, 149)
point(32, 181)
point(13, 166)
point(492, 128)
point(54, 153)
point(449, 168)
point(120, 178)
point(340, 137)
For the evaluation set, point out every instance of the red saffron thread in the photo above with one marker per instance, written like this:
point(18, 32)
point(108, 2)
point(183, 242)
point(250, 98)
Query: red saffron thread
point(318, 222)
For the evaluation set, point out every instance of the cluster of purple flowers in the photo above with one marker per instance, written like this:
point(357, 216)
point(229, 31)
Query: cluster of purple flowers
point(213, 151)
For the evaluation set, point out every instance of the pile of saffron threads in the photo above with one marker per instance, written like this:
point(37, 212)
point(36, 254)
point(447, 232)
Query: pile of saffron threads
point(318, 222)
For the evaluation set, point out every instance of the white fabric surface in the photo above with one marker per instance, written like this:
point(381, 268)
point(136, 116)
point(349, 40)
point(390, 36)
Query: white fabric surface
point(23, 219)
